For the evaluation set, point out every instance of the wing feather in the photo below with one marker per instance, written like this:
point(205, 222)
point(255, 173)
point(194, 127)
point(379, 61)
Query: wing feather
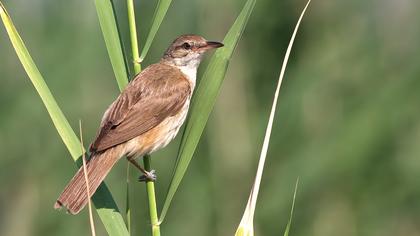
point(160, 91)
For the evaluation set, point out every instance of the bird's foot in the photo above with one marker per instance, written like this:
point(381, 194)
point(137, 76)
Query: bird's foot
point(148, 176)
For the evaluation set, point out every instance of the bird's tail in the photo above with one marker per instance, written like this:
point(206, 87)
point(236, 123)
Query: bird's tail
point(75, 196)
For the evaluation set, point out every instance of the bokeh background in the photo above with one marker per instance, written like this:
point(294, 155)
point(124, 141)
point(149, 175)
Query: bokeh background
point(348, 120)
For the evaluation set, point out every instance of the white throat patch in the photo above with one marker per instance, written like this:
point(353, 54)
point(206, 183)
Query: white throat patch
point(191, 72)
point(189, 65)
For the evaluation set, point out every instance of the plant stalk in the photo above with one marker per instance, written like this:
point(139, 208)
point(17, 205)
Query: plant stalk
point(150, 186)
point(133, 36)
point(137, 69)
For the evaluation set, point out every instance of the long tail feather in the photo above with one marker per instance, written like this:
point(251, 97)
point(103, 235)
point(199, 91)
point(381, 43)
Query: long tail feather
point(74, 197)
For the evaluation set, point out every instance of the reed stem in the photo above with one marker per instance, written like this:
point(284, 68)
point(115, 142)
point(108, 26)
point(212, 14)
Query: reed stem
point(133, 36)
point(150, 186)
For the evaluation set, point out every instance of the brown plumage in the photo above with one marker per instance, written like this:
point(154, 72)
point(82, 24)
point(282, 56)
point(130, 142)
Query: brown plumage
point(74, 196)
point(158, 92)
point(145, 117)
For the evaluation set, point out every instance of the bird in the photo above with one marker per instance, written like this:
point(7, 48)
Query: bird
point(144, 118)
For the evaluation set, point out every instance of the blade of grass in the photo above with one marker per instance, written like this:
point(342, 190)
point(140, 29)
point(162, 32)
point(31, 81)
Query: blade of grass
point(246, 225)
point(107, 209)
point(60, 122)
point(108, 212)
point(109, 26)
point(160, 12)
point(289, 223)
point(203, 101)
point(92, 224)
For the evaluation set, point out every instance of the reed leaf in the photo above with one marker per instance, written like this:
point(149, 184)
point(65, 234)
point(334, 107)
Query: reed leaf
point(106, 207)
point(289, 223)
point(246, 225)
point(109, 27)
point(59, 120)
point(160, 12)
point(203, 101)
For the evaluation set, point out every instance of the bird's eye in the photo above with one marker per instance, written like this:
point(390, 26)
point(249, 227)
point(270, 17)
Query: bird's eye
point(186, 46)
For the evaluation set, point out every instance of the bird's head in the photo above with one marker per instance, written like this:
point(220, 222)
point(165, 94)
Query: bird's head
point(188, 50)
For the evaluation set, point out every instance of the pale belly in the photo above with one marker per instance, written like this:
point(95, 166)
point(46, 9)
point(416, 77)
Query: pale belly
point(158, 137)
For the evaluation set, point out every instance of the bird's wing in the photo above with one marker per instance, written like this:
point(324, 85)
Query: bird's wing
point(155, 94)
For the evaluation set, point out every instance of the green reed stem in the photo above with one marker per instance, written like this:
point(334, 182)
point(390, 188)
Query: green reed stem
point(133, 36)
point(150, 186)
point(137, 68)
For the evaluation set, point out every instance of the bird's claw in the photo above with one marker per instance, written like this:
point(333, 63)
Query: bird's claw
point(148, 176)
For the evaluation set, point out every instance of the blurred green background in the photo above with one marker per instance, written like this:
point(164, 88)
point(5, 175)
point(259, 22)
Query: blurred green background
point(348, 119)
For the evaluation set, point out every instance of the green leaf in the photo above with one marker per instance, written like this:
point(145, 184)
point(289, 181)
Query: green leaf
point(107, 209)
point(204, 99)
point(109, 26)
point(286, 231)
point(160, 12)
point(108, 212)
point(60, 122)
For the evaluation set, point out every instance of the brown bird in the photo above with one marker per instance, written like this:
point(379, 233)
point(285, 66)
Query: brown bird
point(145, 117)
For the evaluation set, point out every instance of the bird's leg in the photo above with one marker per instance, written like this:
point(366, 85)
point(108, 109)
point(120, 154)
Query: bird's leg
point(150, 176)
point(147, 175)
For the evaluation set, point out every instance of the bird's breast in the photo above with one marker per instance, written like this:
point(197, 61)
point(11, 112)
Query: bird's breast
point(159, 136)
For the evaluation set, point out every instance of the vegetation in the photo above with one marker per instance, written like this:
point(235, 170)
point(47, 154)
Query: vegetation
point(347, 120)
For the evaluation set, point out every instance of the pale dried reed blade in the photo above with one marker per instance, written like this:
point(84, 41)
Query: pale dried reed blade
point(246, 225)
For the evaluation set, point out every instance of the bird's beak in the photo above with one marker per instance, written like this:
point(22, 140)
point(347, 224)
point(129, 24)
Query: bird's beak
point(211, 45)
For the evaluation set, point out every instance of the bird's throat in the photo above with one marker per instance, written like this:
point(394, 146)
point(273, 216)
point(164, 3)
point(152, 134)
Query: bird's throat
point(191, 73)
point(187, 65)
